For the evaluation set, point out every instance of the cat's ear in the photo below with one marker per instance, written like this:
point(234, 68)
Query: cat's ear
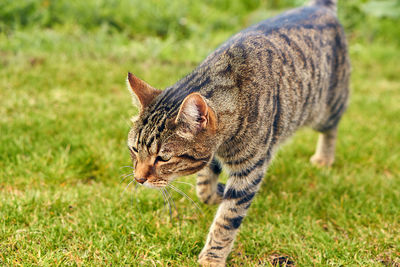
point(194, 113)
point(141, 90)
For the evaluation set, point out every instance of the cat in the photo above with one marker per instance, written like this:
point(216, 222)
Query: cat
point(237, 106)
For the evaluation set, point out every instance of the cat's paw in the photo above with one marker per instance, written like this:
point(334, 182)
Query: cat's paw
point(211, 197)
point(208, 258)
point(321, 161)
point(210, 262)
point(214, 200)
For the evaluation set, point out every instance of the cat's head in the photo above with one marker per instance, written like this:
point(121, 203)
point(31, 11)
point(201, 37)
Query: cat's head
point(164, 143)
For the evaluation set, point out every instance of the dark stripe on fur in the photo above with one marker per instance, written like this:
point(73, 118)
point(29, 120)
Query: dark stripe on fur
point(257, 180)
point(246, 199)
point(213, 255)
point(235, 222)
point(189, 157)
point(220, 189)
point(247, 171)
point(234, 194)
point(217, 248)
point(215, 166)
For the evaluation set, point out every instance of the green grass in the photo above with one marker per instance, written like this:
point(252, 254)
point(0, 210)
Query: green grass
point(64, 117)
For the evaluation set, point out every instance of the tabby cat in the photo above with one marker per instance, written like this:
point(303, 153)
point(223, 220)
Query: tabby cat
point(237, 106)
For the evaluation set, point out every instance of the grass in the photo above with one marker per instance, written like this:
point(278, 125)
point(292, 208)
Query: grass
point(64, 117)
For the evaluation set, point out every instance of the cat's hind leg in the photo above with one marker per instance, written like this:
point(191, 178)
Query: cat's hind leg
point(336, 106)
point(325, 152)
point(208, 189)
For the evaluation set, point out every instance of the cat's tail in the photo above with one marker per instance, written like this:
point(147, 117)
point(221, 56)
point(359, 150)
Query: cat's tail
point(330, 4)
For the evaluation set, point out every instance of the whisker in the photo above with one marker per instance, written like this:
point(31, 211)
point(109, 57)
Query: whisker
point(173, 202)
point(133, 180)
point(162, 193)
point(183, 194)
point(126, 167)
point(180, 182)
point(126, 176)
point(169, 204)
point(137, 201)
point(136, 185)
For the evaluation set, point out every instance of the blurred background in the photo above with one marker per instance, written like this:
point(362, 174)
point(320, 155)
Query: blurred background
point(64, 117)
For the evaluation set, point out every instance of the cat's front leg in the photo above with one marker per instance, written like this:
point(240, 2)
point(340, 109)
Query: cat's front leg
point(239, 192)
point(208, 189)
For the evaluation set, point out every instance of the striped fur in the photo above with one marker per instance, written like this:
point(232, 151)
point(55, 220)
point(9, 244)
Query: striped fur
point(238, 105)
point(330, 4)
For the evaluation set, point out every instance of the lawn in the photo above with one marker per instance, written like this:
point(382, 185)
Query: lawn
point(65, 114)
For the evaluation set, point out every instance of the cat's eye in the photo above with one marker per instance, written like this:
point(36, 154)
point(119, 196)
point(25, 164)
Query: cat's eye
point(162, 159)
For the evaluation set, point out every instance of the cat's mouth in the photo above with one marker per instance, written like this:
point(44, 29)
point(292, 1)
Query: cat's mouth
point(155, 185)
point(152, 182)
point(157, 182)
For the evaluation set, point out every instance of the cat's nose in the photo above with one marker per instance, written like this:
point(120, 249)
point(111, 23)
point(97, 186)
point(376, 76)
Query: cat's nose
point(140, 180)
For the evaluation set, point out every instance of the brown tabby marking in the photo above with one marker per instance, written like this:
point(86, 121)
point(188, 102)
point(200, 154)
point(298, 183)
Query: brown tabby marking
point(245, 99)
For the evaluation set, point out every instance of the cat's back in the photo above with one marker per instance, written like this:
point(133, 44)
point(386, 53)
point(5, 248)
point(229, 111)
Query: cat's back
point(305, 30)
point(294, 63)
point(298, 19)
